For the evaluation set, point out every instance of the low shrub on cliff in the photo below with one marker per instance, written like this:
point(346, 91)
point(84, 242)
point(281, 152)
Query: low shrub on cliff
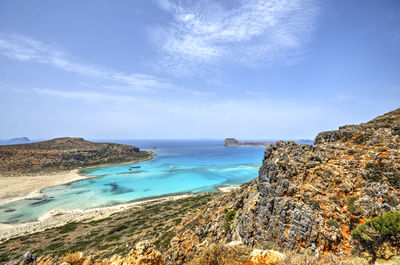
point(380, 236)
point(228, 218)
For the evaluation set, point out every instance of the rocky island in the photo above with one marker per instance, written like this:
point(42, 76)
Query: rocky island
point(20, 139)
point(234, 142)
point(320, 204)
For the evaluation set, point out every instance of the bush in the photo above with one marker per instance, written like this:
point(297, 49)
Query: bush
point(230, 215)
point(68, 228)
point(374, 172)
point(228, 218)
point(380, 236)
point(354, 209)
point(332, 222)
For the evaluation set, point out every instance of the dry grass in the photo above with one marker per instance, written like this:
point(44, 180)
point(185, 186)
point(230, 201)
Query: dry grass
point(292, 258)
point(223, 255)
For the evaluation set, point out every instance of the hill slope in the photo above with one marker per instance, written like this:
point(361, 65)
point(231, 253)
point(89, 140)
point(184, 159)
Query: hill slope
point(306, 197)
point(64, 154)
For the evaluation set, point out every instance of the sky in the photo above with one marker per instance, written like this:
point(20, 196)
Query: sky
point(164, 69)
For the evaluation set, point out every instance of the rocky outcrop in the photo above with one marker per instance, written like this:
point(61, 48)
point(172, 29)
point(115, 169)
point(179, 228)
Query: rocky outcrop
point(143, 253)
point(64, 154)
point(306, 197)
point(234, 142)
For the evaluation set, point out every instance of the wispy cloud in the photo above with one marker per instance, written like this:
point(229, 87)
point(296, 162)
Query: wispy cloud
point(254, 32)
point(93, 97)
point(23, 48)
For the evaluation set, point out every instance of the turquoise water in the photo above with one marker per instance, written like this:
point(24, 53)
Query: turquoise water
point(179, 167)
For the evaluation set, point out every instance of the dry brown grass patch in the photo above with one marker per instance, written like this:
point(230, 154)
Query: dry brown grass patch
point(220, 254)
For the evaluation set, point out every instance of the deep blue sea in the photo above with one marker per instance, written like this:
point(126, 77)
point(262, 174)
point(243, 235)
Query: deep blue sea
point(180, 166)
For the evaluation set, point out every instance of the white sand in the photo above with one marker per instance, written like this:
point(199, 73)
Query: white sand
point(24, 187)
point(227, 188)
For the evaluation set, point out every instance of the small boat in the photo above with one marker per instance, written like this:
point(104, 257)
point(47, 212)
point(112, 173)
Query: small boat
point(135, 166)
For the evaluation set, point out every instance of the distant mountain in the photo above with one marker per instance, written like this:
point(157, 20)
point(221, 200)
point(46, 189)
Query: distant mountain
point(234, 142)
point(64, 154)
point(20, 139)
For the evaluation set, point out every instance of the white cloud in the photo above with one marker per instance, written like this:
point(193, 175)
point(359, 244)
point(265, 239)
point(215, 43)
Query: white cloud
point(254, 32)
point(94, 97)
point(22, 48)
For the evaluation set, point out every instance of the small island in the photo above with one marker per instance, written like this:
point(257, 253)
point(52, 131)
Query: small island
point(20, 139)
point(234, 142)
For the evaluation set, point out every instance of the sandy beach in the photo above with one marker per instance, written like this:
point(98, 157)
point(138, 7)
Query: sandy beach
point(228, 188)
point(14, 188)
point(58, 217)
point(23, 187)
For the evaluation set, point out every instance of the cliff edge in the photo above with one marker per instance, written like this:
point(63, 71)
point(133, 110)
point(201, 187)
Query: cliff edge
point(306, 197)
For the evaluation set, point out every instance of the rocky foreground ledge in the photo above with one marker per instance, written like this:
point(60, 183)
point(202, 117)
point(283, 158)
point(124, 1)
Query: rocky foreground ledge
point(63, 154)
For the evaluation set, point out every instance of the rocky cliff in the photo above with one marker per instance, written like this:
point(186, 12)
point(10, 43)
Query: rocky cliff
point(64, 154)
point(306, 197)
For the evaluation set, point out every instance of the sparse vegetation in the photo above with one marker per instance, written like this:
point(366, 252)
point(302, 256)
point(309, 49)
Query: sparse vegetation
point(101, 238)
point(68, 228)
point(380, 236)
point(228, 218)
point(333, 223)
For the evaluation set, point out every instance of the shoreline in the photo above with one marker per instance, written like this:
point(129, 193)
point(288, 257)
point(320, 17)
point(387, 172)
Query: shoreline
point(60, 217)
point(20, 187)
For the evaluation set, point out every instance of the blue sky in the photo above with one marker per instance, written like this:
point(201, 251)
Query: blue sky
point(195, 69)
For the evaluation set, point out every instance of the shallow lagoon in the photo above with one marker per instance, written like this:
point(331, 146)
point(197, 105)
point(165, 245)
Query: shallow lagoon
point(179, 167)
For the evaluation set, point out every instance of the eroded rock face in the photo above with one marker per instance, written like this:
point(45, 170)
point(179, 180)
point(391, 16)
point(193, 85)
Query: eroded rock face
point(306, 197)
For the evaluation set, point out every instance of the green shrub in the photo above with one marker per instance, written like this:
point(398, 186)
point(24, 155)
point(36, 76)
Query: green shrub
point(332, 222)
point(228, 218)
point(392, 201)
point(374, 172)
point(350, 202)
point(354, 209)
point(380, 236)
point(230, 215)
point(68, 228)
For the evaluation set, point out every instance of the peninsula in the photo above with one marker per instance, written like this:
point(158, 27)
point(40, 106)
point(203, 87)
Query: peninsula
point(234, 142)
point(25, 169)
point(62, 154)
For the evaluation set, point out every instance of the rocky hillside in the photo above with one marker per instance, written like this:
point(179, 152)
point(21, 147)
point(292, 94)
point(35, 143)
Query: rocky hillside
point(305, 197)
point(64, 154)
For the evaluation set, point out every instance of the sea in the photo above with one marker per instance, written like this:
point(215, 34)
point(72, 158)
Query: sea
point(180, 166)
